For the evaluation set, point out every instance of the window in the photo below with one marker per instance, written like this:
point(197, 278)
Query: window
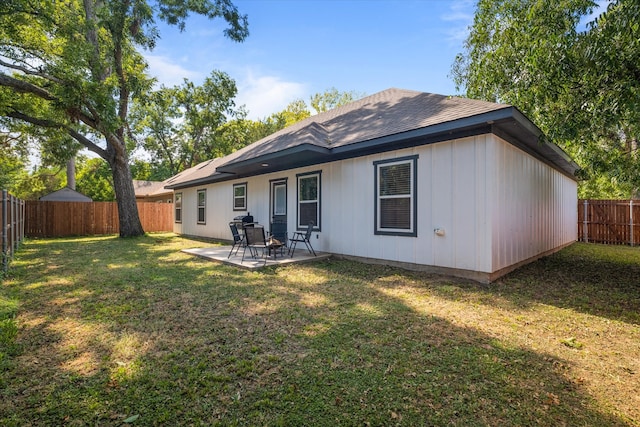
point(309, 199)
point(178, 207)
point(202, 205)
point(279, 198)
point(396, 183)
point(240, 197)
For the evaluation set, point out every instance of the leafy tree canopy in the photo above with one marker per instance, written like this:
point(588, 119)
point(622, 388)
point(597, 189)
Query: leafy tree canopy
point(71, 69)
point(579, 83)
point(184, 125)
point(13, 158)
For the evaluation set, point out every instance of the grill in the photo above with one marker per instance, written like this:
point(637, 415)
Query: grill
point(241, 221)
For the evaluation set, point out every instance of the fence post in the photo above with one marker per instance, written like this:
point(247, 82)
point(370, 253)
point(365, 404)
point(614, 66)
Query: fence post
point(23, 210)
point(5, 234)
point(631, 222)
point(585, 226)
point(14, 223)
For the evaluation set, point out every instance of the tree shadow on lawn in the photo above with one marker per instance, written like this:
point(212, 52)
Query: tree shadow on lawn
point(191, 342)
point(594, 279)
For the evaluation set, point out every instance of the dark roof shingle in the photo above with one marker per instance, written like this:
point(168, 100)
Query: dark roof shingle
point(393, 114)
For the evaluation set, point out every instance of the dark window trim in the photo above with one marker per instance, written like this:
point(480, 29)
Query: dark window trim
point(414, 161)
point(176, 208)
point(204, 207)
point(318, 226)
point(246, 196)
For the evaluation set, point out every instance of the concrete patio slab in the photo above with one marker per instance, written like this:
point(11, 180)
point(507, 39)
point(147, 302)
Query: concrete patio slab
point(220, 254)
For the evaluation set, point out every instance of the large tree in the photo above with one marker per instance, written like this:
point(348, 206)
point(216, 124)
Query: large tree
point(72, 68)
point(579, 83)
point(183, 125)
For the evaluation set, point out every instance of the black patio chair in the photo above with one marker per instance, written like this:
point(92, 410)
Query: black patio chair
point(301, 237)
point(238, 239)
point(256, 241)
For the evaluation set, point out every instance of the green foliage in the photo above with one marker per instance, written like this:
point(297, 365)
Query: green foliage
point(580, 86)
point(70, 70)
point(183, 125)
point(93, 179)
point(13, 159)
point(41, 181)
point(332, 98)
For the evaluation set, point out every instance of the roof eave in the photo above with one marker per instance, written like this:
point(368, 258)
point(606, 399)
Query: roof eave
point(524, 134)
point(507, 123)
point(200, 181)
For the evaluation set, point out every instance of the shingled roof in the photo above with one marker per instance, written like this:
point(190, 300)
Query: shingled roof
point(388, 120)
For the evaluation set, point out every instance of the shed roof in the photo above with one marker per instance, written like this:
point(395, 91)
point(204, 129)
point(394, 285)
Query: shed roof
point(65, 194)
point(388, 120)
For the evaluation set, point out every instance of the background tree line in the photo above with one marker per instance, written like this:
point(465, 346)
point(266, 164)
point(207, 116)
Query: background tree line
point(580, 83)
point(72, 75)
point(175, 128)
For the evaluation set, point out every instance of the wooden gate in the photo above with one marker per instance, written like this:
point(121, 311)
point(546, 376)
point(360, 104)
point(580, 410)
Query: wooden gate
point(613, 222)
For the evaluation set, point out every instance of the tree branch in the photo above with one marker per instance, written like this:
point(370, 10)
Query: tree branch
point(72, 112)
point(91, 36)
point(30, 72)
point(25, 87)
point(90, 145)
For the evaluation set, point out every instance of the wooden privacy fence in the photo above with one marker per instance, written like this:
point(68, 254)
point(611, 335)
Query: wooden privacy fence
point(614, 222)
point(59, 219)
point(13, 211)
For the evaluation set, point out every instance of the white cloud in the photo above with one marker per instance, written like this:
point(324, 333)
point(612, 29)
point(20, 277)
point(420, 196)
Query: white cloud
point(169, 73)
point(264, 95)
point(261, 94)
point(460, 18)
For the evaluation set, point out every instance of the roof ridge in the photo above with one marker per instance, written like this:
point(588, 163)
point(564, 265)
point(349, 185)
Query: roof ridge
point(393, 111)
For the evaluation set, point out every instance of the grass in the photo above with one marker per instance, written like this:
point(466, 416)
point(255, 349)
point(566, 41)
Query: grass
point(108, 331)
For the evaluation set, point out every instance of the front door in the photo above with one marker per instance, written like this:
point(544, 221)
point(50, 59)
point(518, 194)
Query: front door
point(278, 210)
point(279, 201)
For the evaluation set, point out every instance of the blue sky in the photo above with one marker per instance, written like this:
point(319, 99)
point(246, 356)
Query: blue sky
point(297, 48)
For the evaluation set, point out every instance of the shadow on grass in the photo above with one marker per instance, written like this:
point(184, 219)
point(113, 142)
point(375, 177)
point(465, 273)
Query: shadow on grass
point(114, 328)
point(593, 279)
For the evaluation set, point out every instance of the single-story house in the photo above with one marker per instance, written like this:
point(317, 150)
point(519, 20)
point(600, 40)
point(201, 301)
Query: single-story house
point(152, 191)
point(423, 181)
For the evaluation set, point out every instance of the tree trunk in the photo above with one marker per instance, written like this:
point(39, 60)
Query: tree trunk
point(130, 225)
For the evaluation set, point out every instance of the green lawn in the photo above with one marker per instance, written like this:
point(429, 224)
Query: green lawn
point(109, 331)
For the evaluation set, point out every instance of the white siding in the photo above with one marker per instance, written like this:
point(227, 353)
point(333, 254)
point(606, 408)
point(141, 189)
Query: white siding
point(450, 196)
point(496, 204)
point(534, 206)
